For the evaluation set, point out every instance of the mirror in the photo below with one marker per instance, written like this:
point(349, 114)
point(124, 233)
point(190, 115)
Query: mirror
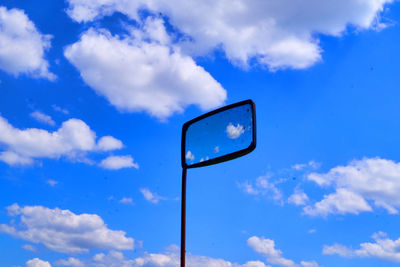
point(219, 135)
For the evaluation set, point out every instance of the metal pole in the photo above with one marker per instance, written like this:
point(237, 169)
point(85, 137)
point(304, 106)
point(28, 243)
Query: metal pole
point(183, 219)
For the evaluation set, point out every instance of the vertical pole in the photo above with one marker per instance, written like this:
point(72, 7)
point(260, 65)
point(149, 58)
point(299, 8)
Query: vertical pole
point(183, 219)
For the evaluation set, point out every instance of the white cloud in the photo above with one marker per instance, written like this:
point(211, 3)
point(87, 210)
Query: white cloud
point(14, 159)
point(52, 182)
point(340, 250)
point(36, 262)
point(277, 33)
point(311, 164)
point(141, 73)
point(309, 264)
point(107, 143)
point(189, 156)
point(60, 109)
point(234, 132)
point(72, 140)
point(266, 247)
point(126, 200)
point(383, 248)
point(170, 258)
point(150, 196)
point(341, 202)
point(263, 186)
point(30, 248)
point(112, 259)
point(41, 117)
point(22, 47)
point(254, 264)
point(62, 230)
point(118, 162)
point(360, 186)
point(216, 149)
point(298, 198)
point(70, 262)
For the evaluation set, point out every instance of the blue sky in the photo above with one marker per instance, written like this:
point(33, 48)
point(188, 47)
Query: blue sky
point(93, 95)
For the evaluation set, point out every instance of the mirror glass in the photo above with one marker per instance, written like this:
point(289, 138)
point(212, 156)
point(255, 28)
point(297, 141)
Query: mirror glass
point(220, 134)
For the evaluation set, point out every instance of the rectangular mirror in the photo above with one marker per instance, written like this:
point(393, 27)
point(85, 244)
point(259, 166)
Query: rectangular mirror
point(220, 135)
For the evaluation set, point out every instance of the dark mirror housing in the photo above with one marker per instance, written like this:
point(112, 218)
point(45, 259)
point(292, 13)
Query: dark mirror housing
point(220, 135)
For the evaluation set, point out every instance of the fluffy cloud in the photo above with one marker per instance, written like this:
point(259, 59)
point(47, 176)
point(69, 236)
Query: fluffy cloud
point(37, 263)
point(12, 158)
point(62, 230)
point(107, 143)
point(170, 258)
point(254, 264)
point(277, 33)
point(360, 186)
point(189, 156)
point(73, 140)
point(150, 196)
point(41, 117)
point(233, 131)
point(118, 162)
point(266, 247)
point(298, 198)
point(383, 248)
point(341, 202)
point(22, 47)
point(70, 262)
point(140, 72)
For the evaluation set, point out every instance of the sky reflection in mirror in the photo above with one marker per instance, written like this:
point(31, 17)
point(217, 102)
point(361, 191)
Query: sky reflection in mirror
point(220, 134)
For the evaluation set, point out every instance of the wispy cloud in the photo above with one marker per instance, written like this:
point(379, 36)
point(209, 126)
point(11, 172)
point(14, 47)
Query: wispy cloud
point(126, 200)
point(310, 165)
point(41, 117)
point(52, 182)
point(60, 109)
point(263, 186)
point(30, 248)
point(151, 196)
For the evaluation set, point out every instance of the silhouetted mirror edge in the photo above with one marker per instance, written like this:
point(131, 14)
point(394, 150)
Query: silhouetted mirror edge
point(226, 157)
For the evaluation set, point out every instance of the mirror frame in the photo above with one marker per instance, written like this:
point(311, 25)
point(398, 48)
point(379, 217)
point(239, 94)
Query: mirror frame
point(226, 157)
